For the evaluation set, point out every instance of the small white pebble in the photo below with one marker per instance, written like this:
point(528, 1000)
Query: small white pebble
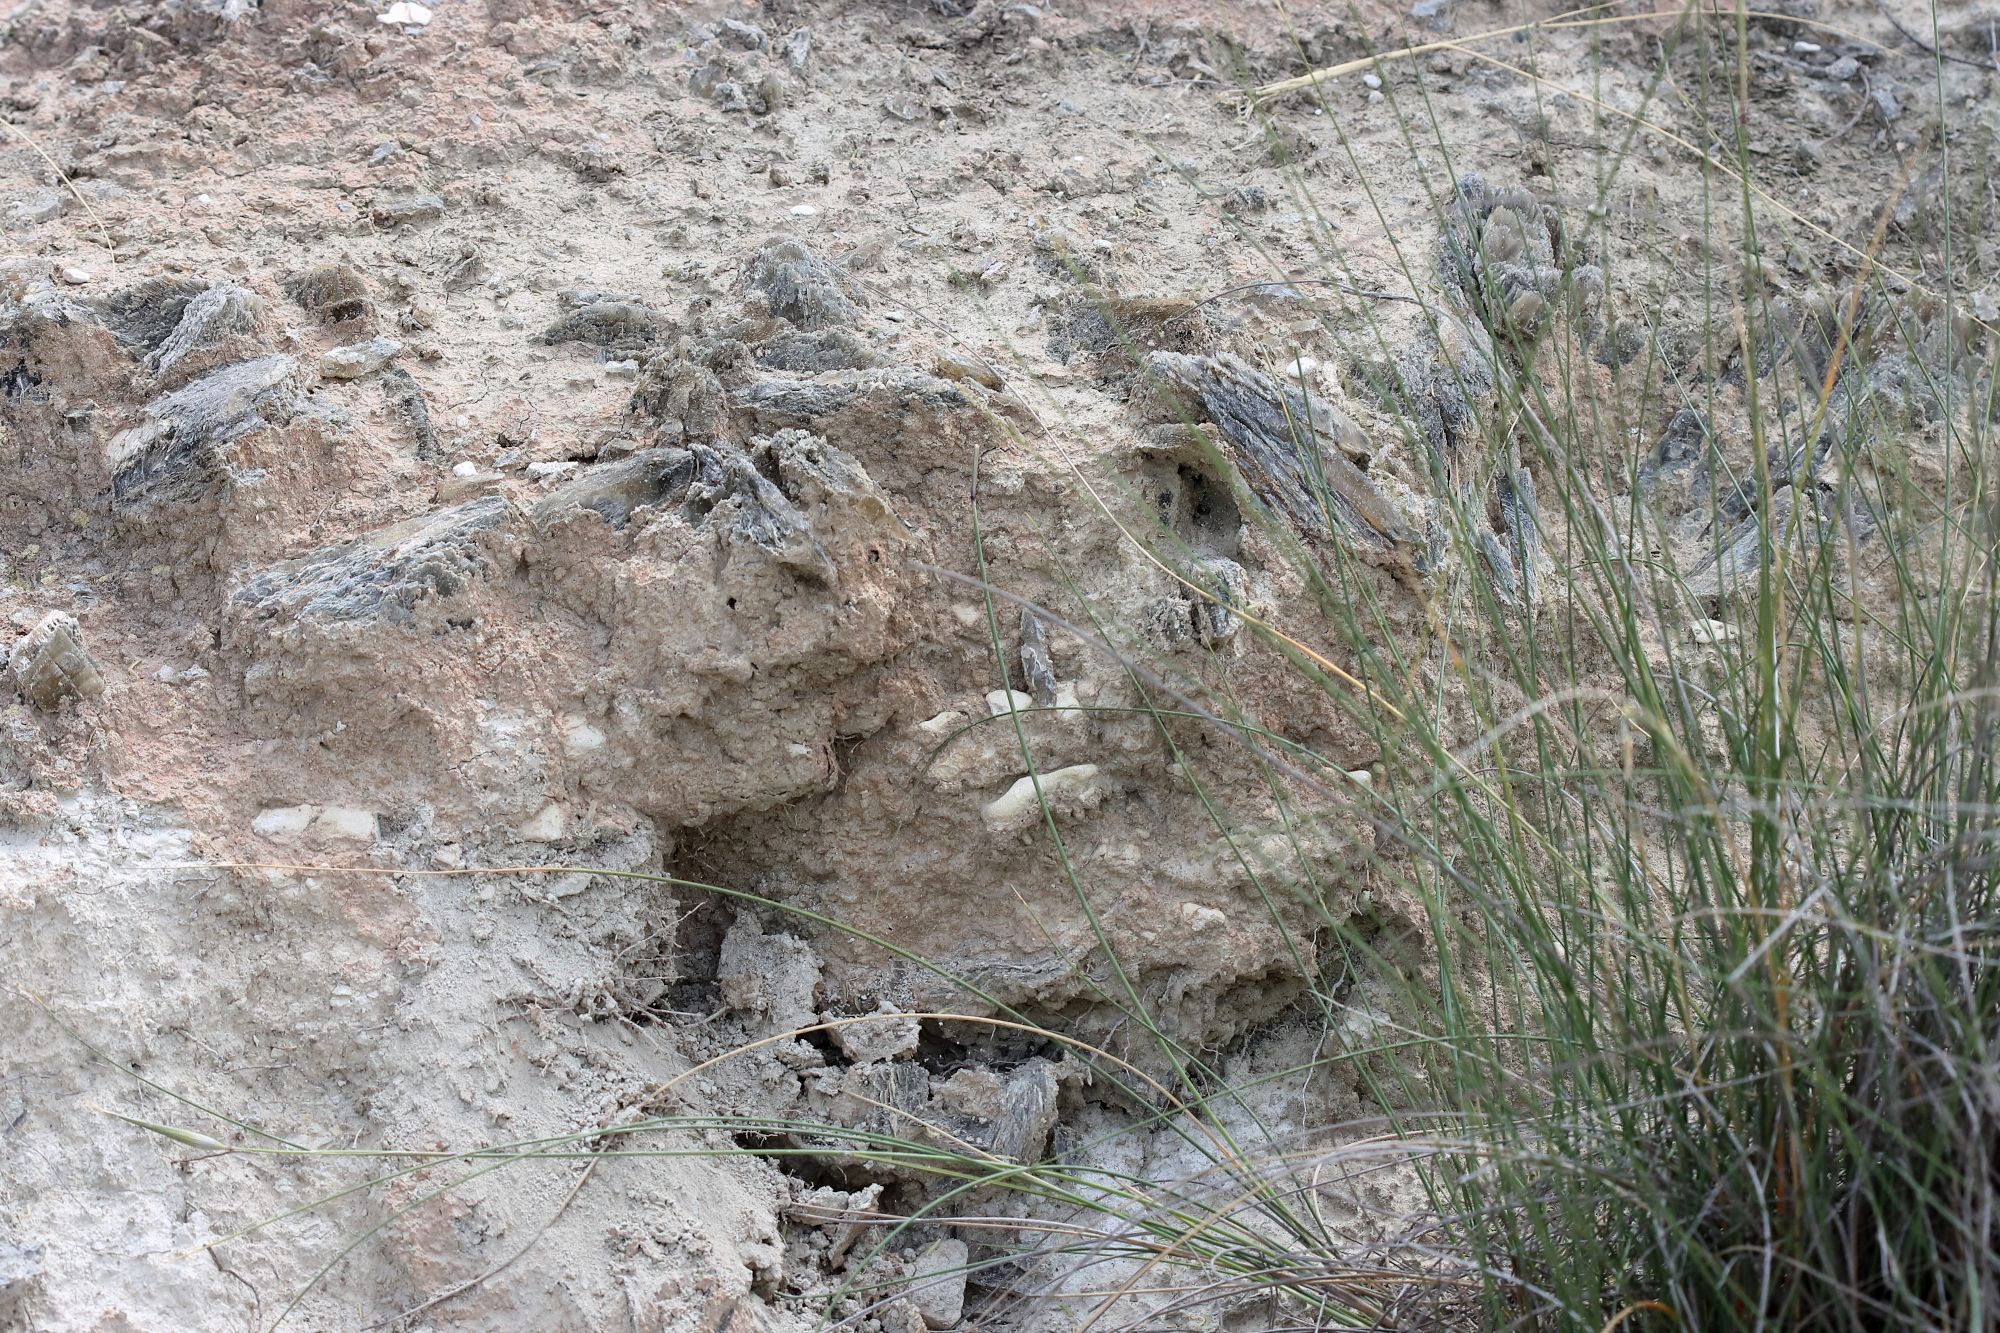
point(75, 277)
point(1374, 98)
point(943, 724)
point(465, 469)
point(1199, 917)
point(405, 14)
point(622, 370)
point(804, 211)
point(1371, 80)
point(998, 702)
point(539, 470)
point(1806, 48)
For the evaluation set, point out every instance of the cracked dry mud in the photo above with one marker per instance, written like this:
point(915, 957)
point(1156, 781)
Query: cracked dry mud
point(525, 436)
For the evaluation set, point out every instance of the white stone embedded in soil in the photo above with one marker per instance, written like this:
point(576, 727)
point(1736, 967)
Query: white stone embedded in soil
point(1202, 918)
point(1712, 633)
point(283, 821)
point(1065, 789)
point(997, 701)
point(345, 823)
point(937, 1283)
point(75, 277)
point(404, 14)
point(49, 664)
point(358, 359)
point(943, 724)
point(546, 825)
point(579, 736)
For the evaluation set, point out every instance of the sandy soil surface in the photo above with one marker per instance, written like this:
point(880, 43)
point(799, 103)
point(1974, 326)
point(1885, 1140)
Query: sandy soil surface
point(524, 433)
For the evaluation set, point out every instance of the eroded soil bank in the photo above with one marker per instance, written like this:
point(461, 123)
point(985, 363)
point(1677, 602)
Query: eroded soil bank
point(529, 433)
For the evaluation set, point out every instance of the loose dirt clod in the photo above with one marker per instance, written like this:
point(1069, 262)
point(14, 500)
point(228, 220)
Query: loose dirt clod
point(144, 316)
point(802, 286)
point(406, 399)
point(408, 211)
point(332, 293)
point(220, 312)
point(937, 1283)
point(48, 664)
point(178, 449)
point(1281, 434)
point(357, 359)
point(1036, 670)
point(387, 575)
point(620, 324)
point(614, 490)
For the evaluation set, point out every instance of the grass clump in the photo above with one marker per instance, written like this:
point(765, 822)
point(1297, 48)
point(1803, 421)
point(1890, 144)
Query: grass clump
point(1702, 814)
point(1699, 800)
